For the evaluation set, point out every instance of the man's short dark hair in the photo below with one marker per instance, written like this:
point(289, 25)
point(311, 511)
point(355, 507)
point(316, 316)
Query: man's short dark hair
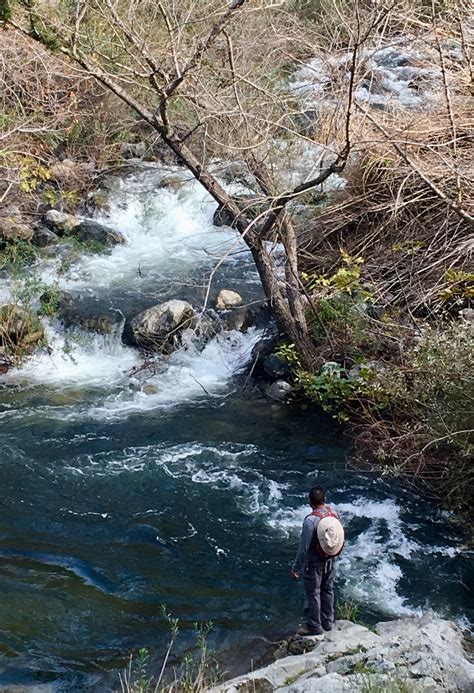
point(317, 495)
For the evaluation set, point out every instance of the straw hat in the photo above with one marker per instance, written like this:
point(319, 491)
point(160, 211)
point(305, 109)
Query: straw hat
point(330, 535)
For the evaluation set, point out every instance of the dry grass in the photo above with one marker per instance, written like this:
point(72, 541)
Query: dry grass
point(51, 111)
point(412, 239)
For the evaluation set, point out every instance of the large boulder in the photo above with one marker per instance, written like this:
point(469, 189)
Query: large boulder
point(94, 233)
point(60, 222)
point(158, 328)
point(228, 299)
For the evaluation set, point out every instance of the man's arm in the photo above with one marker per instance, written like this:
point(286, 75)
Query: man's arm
point(307, 530)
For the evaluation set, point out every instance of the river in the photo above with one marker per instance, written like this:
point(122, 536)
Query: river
point(117, 498)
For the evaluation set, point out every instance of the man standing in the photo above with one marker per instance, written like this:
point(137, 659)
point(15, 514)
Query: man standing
point(322, 540)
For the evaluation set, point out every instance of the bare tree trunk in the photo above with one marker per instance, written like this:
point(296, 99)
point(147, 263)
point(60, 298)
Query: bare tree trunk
point(285, 298)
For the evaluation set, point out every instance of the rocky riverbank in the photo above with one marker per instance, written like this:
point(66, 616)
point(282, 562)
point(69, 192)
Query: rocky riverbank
point(400, 656)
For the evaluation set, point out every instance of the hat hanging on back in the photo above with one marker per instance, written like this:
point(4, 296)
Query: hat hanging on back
point(330, 535)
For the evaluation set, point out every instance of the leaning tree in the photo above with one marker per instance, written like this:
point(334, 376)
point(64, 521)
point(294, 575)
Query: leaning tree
point(213, 80)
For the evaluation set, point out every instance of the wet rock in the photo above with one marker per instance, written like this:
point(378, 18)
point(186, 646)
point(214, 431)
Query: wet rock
point(149, 389)
point(73, 313)
point(5, 361)
point(60, 222)
point(240, 319)
point(222, 217)
point(275, 367)
point(44, 237)
point(101, 324)
point(93, 232)
point(158, 328)
point(171, 183)
point(280, 390)
point(228, 299)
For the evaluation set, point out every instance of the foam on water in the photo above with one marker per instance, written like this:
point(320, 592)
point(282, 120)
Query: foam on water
point(76, 359)
point(168, 234)
point(373, 566)
point(369, 561)
point(401, 75)
point(188, 374)
point(103, 363)
point(369, 564)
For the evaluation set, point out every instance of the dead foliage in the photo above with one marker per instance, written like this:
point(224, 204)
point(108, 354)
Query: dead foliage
point(412, 241)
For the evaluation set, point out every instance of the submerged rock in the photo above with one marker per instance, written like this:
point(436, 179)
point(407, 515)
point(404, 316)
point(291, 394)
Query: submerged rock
point(228, 299)
point(418, 654)
point(159, 327)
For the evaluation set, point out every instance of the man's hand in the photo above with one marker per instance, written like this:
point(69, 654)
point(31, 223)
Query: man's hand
point(294, 574)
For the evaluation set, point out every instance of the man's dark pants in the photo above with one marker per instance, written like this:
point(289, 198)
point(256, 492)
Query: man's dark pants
point(318, 584)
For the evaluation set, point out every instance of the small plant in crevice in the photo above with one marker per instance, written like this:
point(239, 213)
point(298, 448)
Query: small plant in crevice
point(363, 667)
point(348, 611)
point(375, 684)
point(50, 299)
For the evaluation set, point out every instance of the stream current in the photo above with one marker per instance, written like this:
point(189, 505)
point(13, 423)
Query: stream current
point(118, 498)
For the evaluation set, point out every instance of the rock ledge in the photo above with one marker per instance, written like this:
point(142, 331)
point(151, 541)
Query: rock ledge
point(411, 654)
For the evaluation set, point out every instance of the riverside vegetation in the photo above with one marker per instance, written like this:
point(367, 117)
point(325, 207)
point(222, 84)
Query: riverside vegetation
point(376, 303)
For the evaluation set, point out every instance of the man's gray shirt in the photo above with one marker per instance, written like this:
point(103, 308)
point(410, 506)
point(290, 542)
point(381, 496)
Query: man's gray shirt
point(310, 525)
